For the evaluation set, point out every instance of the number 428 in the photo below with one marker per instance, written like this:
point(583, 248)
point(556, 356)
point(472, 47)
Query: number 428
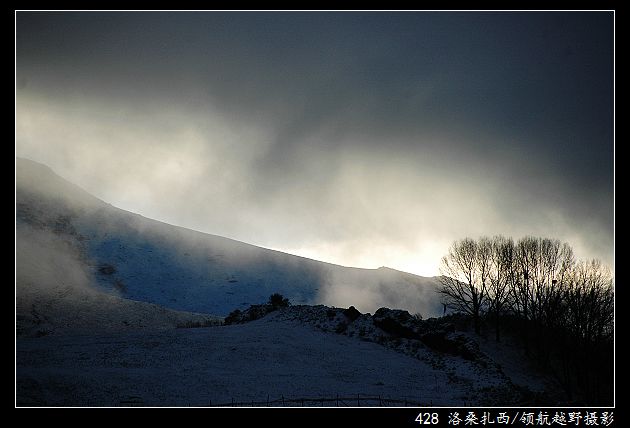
point(427, 418)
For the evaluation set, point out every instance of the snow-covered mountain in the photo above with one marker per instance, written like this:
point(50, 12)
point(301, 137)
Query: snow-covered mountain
point(89, 276)
point(55, 294)
point(136, 258)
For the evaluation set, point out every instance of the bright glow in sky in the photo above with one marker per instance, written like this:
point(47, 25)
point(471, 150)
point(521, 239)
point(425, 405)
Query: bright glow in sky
point(361, 139)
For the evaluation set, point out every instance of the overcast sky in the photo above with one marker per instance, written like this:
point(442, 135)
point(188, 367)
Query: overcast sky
point(363, 139)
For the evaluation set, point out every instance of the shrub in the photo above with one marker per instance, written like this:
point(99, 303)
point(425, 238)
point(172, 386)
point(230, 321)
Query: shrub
point(196, 324)
point(278, 301)
point(351, 313)
point(341, 328)
point(233, 317)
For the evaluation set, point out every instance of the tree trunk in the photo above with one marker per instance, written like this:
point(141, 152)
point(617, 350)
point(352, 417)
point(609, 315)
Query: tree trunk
point(526, 329)
point(476, 321)
point(476, 308)
point(497, 334)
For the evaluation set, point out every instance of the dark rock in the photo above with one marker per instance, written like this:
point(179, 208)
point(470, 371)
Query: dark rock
point(234, 317)
point(395, 329)
point(395, 322)
point(459, 346)
point(437, 340)
point(341, 328)
point(351, 313)
point(278, 301)
point(398, 315)
point(254, 312)
point(106, 269)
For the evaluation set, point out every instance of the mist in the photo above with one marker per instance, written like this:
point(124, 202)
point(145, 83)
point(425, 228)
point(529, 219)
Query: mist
point(51, 281)
point(313, 135)
point(369, 290)
point(46, 265)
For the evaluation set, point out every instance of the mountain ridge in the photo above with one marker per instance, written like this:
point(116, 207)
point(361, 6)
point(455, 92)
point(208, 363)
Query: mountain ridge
point(20, 162)
point(101, 292)
point(143, 259)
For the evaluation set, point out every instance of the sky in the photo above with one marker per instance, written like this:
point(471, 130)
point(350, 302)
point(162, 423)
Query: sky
point(363, 139)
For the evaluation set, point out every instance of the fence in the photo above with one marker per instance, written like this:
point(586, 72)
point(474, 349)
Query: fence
point(359, 400)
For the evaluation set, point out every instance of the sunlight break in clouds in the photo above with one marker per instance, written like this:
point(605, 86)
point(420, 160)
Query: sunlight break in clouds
point(359, 147)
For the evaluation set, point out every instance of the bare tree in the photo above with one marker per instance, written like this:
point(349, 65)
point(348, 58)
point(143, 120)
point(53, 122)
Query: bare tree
point(566, 308)
point(464, 278)
point(526, 256)
point(501, 277)
point(590, 299)
point(541, 269)
point(556, 263)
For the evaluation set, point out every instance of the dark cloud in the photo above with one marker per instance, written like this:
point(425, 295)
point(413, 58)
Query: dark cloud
point(332, 130)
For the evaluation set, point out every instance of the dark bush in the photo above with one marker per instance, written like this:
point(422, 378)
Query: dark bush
point(351, 313)
point(258, 311)
point(459, 346)
point(197, 324)
point(389, 325)
point(398, 315)
point(252, 313)
point(278, 301)
point(341, 328)
point(234, 317)
point(396, 322)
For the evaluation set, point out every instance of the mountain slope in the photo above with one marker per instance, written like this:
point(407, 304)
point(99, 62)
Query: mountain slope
point(146, 260)
point(55, 295)
point(89, 274)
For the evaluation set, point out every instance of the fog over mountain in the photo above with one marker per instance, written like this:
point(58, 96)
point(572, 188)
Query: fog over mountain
point(176, 170)
point(362, 139)
point(70, 237)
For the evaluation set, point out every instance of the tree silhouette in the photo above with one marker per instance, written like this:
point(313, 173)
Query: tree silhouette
point(564, 311)
point(464, 278)
point(278, 301)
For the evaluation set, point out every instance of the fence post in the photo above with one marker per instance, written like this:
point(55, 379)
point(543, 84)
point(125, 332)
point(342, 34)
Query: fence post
point(337, 400)
point(267, 400)
point(380, 402)
point(358, 401)
point(283, 401)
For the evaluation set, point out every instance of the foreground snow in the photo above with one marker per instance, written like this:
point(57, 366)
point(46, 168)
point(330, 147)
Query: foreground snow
point(197, 367)
point(288, 353)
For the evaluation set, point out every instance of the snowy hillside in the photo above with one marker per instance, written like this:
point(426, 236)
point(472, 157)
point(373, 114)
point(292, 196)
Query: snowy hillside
point(55, 295)
point(137, 258)
point(277, 356)
point(105, 299)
